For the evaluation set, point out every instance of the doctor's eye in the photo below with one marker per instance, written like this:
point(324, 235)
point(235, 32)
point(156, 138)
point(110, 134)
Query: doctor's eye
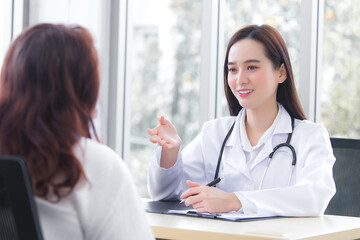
point(232, 69)
point(252, 68)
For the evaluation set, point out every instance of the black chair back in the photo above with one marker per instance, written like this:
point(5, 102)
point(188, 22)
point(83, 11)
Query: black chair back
point(346, 201)
point(18, 215)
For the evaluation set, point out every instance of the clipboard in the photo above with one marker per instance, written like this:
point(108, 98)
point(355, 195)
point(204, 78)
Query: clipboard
point(164, 206)
point(174, 207)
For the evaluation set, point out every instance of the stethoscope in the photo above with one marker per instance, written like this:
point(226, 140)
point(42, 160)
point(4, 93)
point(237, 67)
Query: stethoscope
point(285, 144)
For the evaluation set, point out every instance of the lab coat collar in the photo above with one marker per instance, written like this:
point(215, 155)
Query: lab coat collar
point(283, 126)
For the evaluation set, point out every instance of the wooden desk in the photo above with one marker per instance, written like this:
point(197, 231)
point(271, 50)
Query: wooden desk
point(182, 227)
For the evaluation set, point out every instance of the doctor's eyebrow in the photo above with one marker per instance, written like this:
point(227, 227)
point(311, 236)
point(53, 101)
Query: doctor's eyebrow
point(247, 61)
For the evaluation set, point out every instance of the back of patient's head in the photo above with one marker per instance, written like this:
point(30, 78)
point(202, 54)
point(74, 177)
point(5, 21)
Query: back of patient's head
point(48, 91)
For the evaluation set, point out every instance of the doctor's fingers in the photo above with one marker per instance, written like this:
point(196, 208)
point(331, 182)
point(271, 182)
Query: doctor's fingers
point(164, 132)
point(199, 206)
point(163, 121)
point(202, 206)
point(190, 192)
point(166, 143)
point(194, 200)
point(160, 130)
point(206, 205)
point(152, 131)
point(193, 184)
point(153, 140)
point(157, 139)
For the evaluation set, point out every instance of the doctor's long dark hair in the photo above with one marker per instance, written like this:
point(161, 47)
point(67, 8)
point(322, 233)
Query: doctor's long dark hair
point(276, 51)
point(49, 86)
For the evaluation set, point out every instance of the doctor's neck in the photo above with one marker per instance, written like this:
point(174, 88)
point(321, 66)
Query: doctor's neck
point(258, 121)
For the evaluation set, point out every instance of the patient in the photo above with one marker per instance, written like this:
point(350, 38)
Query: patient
point(49, 87)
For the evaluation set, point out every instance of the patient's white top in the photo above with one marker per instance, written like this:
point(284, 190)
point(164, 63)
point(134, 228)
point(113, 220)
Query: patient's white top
point(106, 206)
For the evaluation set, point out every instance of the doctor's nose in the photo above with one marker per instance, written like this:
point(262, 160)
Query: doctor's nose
point(241, 77)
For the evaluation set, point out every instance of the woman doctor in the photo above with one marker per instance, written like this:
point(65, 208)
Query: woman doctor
point(265, 114)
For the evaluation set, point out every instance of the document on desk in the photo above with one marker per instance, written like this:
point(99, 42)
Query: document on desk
point(231, 216)
point(173, 207)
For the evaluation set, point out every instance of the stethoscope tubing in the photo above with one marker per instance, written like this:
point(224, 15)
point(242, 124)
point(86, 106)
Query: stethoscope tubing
point(285, 144)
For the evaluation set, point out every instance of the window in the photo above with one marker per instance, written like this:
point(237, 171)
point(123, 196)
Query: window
point(340, 85)
point(164, 78)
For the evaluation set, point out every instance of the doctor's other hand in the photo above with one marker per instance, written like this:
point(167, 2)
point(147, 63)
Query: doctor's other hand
point(166, 136)
point(210, 199)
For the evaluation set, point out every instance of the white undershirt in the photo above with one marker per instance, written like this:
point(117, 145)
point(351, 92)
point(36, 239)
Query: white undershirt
point(251, 152)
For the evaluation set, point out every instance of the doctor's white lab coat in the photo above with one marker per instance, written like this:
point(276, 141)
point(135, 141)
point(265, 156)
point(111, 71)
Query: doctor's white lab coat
point(243, 167)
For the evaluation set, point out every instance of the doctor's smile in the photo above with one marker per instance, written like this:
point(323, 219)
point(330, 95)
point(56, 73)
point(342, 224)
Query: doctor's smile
point(245, 92)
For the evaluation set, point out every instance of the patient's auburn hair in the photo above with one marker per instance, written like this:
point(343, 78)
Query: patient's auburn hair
point(49, 86)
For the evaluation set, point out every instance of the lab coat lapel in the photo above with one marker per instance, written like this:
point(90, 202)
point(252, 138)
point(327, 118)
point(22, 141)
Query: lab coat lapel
point(236, 160)
point(243, 167)
point(264, 153)
point(283, 126)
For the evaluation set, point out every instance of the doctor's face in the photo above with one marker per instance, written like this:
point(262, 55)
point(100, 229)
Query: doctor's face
point(251, 76)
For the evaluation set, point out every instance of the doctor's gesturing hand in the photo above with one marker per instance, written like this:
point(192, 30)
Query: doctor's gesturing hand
point(165, 135)
point(210, 199)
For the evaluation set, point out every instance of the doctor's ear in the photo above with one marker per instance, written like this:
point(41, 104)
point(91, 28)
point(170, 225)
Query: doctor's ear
point(282, 73)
